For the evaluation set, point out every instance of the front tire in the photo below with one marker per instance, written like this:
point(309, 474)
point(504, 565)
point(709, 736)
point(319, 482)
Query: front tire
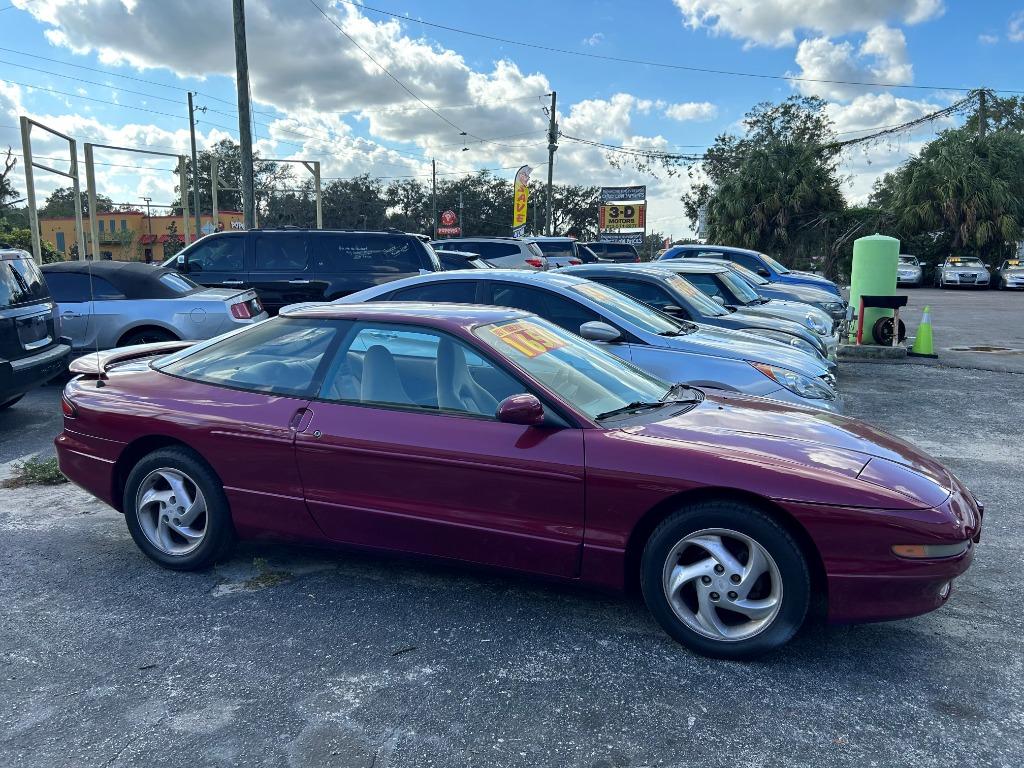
point(177, 512)
point(725, 580)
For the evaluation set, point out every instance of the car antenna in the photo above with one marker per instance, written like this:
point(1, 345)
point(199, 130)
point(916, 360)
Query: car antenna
point(92, 306)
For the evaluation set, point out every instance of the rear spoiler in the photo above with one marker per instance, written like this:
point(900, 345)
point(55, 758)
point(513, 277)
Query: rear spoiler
point(96, 364)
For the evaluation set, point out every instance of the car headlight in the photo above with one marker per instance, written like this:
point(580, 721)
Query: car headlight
point(796, 383)
point(816, 324)
point(832, 307)
point(950, 273)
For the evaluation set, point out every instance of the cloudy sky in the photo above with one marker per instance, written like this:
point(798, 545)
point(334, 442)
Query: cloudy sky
point(117, 72)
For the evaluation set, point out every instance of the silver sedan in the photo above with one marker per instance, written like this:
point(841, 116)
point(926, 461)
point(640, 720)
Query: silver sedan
point(962, 271)
point(113, 304)
point(908, 271)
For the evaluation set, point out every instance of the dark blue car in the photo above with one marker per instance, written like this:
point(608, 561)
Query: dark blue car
point(760, 263)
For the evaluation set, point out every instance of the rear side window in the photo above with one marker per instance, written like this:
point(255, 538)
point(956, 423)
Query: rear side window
point(367, 253)
point(454, 292)
point(281, 253)
point(281, 356)
point(178, 283)
point(72, 287)
point(557, 248)
point(21, 282)
point(493, 250)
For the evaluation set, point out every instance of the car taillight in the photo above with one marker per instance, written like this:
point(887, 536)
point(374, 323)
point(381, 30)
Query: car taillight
point(535, 263)
point(68, 407)
point(241, 311)
point(574, 262)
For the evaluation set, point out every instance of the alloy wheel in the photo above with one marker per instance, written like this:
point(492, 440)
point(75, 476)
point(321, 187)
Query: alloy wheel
point(171, 510)
point(722, 584)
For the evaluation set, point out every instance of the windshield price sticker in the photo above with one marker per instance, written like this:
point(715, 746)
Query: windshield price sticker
point(527, 338)
point(595, 292)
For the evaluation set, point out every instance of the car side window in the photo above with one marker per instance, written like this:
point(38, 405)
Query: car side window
point(452, 292)
point(225, 253)
point(706, 283)
point(393, 254)
point(75, 286)
point(653, 295)
point(280, 356)
point(397, 366)
point(557, 309)
point(745, 260)
point(281, 253)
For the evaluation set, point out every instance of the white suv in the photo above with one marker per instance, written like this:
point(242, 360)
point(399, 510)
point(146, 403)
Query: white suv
point(504, 252)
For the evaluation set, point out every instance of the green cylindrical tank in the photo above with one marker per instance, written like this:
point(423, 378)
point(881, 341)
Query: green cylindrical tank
point(875, 259)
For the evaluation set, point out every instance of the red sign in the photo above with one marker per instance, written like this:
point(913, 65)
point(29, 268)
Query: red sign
point(449, 219)
point(449, 231)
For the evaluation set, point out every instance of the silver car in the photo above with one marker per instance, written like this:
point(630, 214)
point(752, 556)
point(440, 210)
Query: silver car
point(503, 252)
point(559, 251)
point(966, 271)
point(724, 286)
point(114, 304)
point(672, 349)
point(1010, 274)
point(908, 271)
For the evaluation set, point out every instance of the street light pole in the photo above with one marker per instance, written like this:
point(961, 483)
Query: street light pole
point(149, 216)
point(195, 165)
point(552, 146)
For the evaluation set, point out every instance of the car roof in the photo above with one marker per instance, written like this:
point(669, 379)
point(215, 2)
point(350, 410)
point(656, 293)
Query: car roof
point(546, 238)
point(14, 253)
point(446, 251)
point(645, 270)
point(712, 247)
point(465, 316)
point(695, 266)
point(132, 278)
point(558, 278)
point(486, 237)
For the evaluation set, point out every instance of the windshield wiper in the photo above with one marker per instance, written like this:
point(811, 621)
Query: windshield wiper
point(674, 392)
point(684, 329)
point(637, 405)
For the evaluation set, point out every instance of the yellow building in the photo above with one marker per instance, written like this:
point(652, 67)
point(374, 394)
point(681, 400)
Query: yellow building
point(132, 236)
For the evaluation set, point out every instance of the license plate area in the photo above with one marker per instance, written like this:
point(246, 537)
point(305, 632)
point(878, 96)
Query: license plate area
point(34, 331)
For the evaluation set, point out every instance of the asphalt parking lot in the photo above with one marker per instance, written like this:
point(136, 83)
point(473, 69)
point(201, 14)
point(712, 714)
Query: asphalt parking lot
point(306, 658)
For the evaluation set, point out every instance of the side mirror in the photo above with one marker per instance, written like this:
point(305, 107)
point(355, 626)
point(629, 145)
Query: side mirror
point(595, 330)
point(764, 272)
point(672, 309)
point(524, 409)
point(718, 300)
point(180, 264)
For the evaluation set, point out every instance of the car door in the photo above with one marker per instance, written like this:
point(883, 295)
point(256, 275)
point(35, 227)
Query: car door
point(71, 292)
point(281, 269)
point(393, 458)
point(217, 261)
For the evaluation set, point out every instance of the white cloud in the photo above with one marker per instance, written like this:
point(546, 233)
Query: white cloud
point(695, 111)
point(1015, 29)
point(986, 39)
point(595, 39)
point(776, 22)
point(882, 57)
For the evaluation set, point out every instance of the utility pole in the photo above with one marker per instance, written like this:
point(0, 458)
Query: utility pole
point(195, 164)
point(552, 146)
point(982, 118)
point(244, 116)
point(149, 216)
point(461, 222)
point(433, 198)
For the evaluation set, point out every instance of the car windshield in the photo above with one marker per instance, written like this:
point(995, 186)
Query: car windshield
point(739, 288)
point(556, 248)
point(631, 310)
point(962, 261)
point(774, 264)
point(698, 299)
point(1011, 264)
point(910, 261)
point(748, 274)
point(592, 380)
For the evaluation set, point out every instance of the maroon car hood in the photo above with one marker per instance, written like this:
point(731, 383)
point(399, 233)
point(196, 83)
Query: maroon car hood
point(791, 433)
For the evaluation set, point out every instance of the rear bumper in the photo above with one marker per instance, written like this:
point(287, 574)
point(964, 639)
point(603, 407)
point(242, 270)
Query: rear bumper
point(20, 376)
point(89, 463)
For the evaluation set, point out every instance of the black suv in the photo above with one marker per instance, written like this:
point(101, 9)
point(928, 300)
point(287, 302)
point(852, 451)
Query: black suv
point(619, 252)
point(288, 266)
point(31, 350)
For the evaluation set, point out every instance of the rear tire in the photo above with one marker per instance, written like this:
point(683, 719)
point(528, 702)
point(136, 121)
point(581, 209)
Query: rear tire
point(725, 580)
point(176, 510)
point(146, 336)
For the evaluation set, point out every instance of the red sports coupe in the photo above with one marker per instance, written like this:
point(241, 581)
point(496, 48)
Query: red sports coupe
point(490, 436)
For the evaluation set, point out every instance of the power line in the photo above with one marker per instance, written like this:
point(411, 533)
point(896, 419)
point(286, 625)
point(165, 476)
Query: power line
point(90, 82)
point(12, 5)
point(648, 63)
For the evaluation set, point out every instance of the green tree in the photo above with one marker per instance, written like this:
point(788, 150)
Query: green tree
point(174, 242)
point(22, 238)
point(962, 193)
point(267, 176)
point(776, 188)
point(7, 191)
point(61, 203)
